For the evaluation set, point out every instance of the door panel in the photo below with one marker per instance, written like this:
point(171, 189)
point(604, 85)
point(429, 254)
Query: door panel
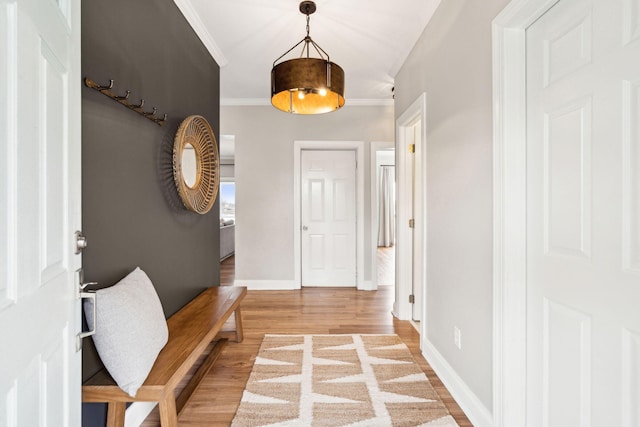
point(8, 69)
point(328, 214)
point(582, 215)
point(631, 176)
point(40, 189)
point(567, 175)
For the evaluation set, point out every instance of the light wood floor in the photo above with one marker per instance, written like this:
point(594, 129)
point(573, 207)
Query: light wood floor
point(307, 311)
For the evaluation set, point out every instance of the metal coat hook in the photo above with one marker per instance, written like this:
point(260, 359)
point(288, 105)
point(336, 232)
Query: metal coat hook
point(101, 88)
point(124, 100)
point(126, 96)
point(152, 113)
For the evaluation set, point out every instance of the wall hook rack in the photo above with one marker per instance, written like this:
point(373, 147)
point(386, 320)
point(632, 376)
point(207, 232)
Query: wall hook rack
point(124, 100)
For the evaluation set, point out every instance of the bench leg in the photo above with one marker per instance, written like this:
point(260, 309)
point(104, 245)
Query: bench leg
point(239, 332)
point(115, 414)
point(168, 414)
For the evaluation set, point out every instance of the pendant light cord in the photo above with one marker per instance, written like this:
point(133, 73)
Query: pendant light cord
point(307, 40)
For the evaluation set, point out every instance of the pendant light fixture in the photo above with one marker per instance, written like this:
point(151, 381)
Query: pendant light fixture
point(307, 85)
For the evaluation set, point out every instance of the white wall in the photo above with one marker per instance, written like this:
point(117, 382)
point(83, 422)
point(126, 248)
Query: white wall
point(452, 63)
point(264, 178)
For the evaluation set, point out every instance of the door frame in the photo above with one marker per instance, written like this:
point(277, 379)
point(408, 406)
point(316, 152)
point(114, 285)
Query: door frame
point(509, 209)
point(358, 147)
point(404, 263)
point(375, 147)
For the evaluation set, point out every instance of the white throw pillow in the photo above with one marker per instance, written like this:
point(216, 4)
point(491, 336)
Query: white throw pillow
point(131, 329)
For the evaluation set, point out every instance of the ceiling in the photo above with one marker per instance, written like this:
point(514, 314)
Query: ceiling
point(369, 39)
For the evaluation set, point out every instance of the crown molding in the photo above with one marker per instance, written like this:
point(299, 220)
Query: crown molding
point(192, 17)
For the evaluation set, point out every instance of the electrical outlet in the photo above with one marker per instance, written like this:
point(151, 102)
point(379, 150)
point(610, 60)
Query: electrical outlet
point(457, 337)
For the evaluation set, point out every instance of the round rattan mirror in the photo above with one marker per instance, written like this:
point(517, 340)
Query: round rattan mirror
point(197, 182)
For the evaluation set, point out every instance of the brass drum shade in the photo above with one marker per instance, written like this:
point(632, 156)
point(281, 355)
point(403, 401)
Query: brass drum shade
point(310, 76)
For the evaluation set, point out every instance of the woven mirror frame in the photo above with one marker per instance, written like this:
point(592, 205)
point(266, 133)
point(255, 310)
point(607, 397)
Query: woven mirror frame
point(201, 195)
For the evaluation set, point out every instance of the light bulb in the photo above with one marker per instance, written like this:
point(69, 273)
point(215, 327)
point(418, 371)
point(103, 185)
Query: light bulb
point(322, 92)
point(300, 94)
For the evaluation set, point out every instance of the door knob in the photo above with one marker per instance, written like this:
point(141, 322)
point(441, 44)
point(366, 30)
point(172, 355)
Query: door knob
point(305, 228)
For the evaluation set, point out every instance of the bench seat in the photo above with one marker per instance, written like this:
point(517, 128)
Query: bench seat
point(191, 330)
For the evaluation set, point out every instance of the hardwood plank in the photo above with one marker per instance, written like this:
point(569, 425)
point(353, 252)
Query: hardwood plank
point(194, 380)
point(308, 311)
point(228, 271)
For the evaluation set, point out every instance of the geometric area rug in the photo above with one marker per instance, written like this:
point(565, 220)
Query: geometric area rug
point(338, 380)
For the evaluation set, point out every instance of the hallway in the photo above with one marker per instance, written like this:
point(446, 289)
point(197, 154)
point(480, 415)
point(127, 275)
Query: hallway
point(308, 311)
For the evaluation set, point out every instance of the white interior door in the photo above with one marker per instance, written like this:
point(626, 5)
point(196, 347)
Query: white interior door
point(583, 215)
point(411, 212)
point(40, 195)
point(417, 191)
point(328, 217)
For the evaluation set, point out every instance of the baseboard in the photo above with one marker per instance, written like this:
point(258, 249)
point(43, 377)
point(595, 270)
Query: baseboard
point(477, 413)
point(267, 285)
point(137, 412)
point(227, 256)
point(367, 285)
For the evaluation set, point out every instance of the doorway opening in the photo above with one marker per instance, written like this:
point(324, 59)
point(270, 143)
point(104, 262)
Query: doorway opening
point(227, 194)
point(383, 214)
point(411, 254)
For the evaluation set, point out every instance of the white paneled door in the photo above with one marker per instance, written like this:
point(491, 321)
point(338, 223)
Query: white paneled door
point(328, 217)
point(39, 212)
point(583, 215)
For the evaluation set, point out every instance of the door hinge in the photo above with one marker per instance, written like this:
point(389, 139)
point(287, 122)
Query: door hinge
point(412, 299)
point(412, 148)
point(412, 223)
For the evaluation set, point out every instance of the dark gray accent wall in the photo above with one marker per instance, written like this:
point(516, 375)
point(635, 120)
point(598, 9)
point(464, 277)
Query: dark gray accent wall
point(131, 213)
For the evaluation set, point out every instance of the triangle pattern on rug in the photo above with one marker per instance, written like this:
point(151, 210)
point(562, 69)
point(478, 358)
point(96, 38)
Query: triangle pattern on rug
point(380, 361)
point(285, 379)
point(447, 421)
point(263, 361)
point(377, 421)
point(360, 378)
point(249, 397)
point(409, 379)
point(388, 397)
point(340, 347)
point(390, 347)
point(288, 347)
point(291, 423)
point(321, 361)
point(338, 380)
point(323, 398)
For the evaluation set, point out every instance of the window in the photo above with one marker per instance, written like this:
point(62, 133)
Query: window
point(227, 202)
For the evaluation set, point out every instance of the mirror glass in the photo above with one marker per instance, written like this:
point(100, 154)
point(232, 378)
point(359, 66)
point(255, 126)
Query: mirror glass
point(189, 165)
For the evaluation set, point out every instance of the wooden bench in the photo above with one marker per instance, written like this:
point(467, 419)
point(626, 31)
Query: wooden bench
point(191, 330)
